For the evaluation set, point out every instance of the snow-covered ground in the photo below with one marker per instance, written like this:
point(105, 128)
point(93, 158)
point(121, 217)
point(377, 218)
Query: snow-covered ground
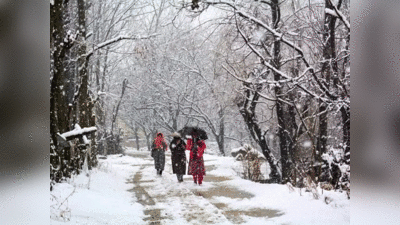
point(101, 197)
point(126, 190)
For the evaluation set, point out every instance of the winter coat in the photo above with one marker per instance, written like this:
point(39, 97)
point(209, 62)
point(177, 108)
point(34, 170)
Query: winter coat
point(196, 163)
point(158, 148)
point(159, 159)
point(178, 156)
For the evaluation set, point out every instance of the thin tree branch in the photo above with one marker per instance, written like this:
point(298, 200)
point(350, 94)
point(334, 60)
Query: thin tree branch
point(114, 40)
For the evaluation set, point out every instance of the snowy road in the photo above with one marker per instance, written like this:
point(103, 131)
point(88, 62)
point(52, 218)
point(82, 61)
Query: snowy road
point(168, 202)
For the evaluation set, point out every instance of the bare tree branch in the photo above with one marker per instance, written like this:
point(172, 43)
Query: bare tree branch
point(114, 40)
point(340, 15)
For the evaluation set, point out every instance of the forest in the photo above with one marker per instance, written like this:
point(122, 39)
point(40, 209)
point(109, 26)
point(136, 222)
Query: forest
point(272, 74)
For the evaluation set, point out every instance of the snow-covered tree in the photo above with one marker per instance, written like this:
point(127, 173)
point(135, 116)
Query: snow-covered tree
point(297, 50)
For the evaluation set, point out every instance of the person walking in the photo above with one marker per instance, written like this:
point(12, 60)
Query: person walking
point(158, 148)
point(178, 156)
point(196, 163)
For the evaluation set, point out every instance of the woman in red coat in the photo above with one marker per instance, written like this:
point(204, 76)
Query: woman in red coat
point(196, 163)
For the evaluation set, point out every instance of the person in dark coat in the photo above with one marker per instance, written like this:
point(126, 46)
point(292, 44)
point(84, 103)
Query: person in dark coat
point(178, 156)
point(158, 148)
point(196, 163)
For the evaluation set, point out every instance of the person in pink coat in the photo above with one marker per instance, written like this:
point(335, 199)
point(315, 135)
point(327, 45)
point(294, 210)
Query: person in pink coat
point(196, 163)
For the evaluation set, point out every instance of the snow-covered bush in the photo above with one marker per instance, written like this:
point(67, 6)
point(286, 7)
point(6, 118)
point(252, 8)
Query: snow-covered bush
point(251, 162)
point(245, 149)
point(335, 170)
point(312, 187)
point(303, 177)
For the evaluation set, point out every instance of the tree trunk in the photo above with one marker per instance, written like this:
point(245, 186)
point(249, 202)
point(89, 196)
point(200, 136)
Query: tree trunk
point(221, 138)
point(103, 79)
point(148, 140)
point(83, 95)
point(58, 106)
point(137, 137)
point(115, 114)
point(282, 115)
point(346, 133)
point(101, 112)
point(346, 110)
point(58, 100)
point(83, 102)
point(329, 55)
point(247, 108)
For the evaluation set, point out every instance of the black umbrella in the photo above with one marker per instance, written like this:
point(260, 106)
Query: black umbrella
point(199, 132)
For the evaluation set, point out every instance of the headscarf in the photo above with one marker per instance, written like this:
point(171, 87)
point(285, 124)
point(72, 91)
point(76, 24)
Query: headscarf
point(159, 140)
